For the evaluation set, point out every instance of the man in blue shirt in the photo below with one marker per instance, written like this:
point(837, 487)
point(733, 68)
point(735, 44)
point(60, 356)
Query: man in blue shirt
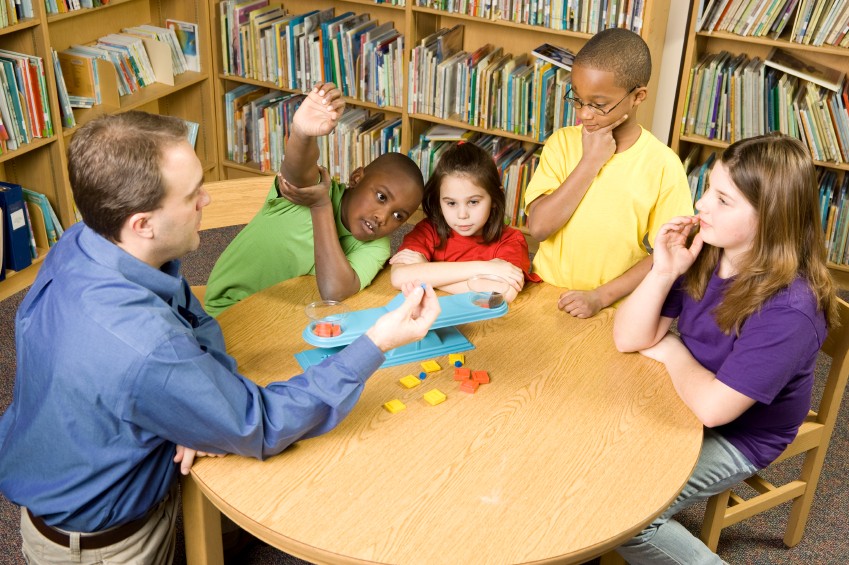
point(119, 367)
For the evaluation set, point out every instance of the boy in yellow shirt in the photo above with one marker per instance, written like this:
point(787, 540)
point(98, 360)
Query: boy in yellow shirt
point(603, 188)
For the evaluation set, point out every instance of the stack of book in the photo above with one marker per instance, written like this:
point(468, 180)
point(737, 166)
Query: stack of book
point(574, 15)
point(834, 210)
point(13, 11)
point(28, 226)
point(263, 42)
point(814, 22)
point(515, 163)
point(488, 88)
point(731, 98)
point(24, 106)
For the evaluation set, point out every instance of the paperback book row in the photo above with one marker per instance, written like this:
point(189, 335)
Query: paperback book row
point(585, 16)
point(13, 11)
point(814, 22)
point(29, 227)
point(119, 64)
point(62, 6)
point(262, 41)
point(259, 120)
point(833, 199)
point(516, 162)
point(489, 88)
point(24, 105)
point(733, 97)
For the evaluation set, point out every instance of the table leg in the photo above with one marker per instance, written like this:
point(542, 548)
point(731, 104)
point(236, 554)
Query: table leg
point(612, 558)
point(201, 527)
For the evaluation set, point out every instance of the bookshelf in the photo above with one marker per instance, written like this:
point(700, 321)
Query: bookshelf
point(415, 22)
point(41, 165)
point(701, 43)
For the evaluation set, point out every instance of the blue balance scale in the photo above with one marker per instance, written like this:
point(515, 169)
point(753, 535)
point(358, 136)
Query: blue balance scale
point(442, 339)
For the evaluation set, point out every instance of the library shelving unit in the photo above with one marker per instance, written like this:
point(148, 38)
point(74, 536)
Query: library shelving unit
point(699, 43)
point(42, 165)
point(416, 22)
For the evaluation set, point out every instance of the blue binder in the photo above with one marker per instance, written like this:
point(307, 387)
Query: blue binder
point(16, 251)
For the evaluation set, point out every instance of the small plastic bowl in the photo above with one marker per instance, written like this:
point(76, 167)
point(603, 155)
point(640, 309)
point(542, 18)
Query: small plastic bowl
point(488, 291)
point(327, 317)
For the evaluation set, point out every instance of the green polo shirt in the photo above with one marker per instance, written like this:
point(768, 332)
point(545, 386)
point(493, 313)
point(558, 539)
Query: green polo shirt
point(278, 245)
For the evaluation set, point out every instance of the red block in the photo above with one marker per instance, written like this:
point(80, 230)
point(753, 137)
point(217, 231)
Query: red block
point(469, 386)
point(462, 374)
point(481, 377)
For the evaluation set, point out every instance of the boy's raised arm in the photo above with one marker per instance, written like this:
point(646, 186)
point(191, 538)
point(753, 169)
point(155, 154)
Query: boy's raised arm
point(317, 115)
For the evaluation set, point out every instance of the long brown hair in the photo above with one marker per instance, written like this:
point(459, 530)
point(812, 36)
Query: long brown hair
point(775, 174)
point(469, 160)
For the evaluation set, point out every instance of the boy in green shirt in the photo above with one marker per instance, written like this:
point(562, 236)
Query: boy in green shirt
point(338, 234)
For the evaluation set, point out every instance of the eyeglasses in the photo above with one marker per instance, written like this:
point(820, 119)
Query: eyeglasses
point(597, 110)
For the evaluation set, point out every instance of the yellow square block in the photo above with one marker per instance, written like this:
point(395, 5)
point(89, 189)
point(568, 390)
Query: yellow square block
point(455, 358)
point(431, 366)
point(394, 406)
point(434, 397)
point(410, 381)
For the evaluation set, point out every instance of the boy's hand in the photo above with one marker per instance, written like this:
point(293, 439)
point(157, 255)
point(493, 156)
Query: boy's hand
point(599, 145)
point(580, 303)
point(409, 322)
point(313, 196)
point(407, 257)
point(319, 113)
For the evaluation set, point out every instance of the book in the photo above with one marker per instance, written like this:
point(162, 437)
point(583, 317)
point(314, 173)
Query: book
point(441, 132)
point(559, 56)
point(16, 244)
point(187, 37)
point(807, 70)
point(45, 214)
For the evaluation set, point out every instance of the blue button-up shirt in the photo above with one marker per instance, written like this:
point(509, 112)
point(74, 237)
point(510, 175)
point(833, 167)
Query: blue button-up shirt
point(116, 363)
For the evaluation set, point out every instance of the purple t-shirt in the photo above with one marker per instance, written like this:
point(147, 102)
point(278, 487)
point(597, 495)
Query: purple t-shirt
point(772, 361)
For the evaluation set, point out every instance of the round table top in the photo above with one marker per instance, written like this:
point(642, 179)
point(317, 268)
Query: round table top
point(570, 450)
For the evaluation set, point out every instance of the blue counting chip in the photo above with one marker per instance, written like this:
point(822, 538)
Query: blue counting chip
point(458, 364)
point(422, 375)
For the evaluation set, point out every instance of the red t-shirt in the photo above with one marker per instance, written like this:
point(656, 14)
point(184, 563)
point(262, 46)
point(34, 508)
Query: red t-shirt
point(512, 247)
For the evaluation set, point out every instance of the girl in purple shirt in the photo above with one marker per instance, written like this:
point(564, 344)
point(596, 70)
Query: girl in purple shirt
point(753, 299)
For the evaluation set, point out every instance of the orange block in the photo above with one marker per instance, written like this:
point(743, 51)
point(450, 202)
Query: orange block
point(462, 374)
point(481, 377)
point(469, 386)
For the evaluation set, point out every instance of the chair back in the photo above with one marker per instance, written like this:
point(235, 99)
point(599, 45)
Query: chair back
point(234, 201)
point(811, 441)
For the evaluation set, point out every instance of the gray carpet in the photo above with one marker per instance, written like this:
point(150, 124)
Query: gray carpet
point(755, 541)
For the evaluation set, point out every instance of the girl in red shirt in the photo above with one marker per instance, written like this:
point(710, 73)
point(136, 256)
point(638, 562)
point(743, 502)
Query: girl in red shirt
point(464, 232)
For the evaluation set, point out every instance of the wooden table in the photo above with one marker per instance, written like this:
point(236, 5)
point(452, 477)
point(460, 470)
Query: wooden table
point(572, 449)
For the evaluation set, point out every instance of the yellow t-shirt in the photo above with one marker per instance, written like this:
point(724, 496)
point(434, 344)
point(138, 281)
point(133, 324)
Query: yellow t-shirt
point(633, 195)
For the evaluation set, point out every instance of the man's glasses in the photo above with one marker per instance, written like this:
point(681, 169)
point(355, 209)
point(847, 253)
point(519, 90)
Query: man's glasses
point(597, 110)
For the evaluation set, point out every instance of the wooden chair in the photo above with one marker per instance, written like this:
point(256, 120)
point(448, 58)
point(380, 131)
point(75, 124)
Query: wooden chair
point(812, 440)
point(234, 202)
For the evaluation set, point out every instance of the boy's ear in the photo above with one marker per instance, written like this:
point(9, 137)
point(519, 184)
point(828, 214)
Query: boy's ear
point(356, 177)
point(641, 94)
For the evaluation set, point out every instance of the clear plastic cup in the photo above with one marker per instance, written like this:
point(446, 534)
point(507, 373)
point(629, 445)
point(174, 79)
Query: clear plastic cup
point(488, 291)
point(327, 317)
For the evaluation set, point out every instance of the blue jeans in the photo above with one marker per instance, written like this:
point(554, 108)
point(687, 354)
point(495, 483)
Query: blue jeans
point(720, 467)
